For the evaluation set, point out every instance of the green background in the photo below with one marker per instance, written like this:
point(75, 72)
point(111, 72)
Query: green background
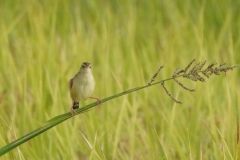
point(43, 44)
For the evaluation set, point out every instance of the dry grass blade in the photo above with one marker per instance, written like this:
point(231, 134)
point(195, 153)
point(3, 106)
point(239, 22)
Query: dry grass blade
point(176, 73)
point(199, 68)
point(184, 87)
point(211, 65)
point(177, 101)
point(155, 75)
point(188, 66)
point(194, 74)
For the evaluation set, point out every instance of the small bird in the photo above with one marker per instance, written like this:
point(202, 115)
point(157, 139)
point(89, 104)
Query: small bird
point(82, 86)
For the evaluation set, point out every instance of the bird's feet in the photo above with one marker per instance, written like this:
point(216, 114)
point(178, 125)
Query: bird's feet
point(75, 105)
point(98, 100)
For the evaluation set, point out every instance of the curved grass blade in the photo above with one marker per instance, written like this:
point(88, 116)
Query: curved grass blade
point(61, 118)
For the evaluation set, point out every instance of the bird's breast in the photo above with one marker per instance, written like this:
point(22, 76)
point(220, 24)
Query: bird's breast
point(83, 86)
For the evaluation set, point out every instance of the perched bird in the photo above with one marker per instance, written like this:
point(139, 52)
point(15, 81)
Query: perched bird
point(82, 86)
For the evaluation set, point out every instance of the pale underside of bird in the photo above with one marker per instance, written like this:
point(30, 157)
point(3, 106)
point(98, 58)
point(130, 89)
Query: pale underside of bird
point(82, 86)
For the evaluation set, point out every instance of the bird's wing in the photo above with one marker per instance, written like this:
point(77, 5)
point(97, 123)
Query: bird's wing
point(70, 83)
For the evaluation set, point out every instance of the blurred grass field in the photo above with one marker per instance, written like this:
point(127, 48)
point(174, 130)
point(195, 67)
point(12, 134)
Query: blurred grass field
point(43, 43)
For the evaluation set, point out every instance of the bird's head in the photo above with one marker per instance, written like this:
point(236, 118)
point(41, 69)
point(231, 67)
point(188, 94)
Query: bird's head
point(86, 67)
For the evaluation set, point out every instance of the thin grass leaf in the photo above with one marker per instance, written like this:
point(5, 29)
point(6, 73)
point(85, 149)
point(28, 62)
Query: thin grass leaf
point(4, 133)
point(61, 118)
point(160, 146)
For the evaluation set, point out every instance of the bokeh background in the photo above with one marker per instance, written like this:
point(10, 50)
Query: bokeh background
point(43, 44)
